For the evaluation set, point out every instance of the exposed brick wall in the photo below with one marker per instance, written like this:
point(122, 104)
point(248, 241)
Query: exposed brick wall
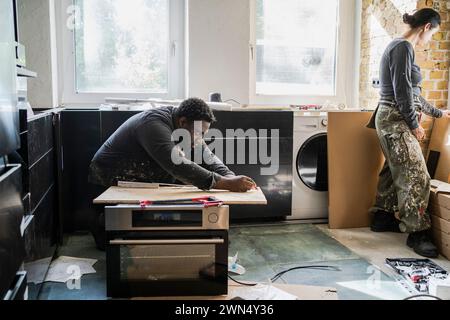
point(381, 22)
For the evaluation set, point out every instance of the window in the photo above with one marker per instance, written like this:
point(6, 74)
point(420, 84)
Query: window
point(126, 48)
point(297, 49)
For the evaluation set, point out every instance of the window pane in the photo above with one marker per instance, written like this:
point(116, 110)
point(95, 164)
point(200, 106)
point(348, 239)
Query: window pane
point(122, 46)
point(296, 47)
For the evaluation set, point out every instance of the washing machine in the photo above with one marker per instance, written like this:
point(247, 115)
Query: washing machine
point(310, 167)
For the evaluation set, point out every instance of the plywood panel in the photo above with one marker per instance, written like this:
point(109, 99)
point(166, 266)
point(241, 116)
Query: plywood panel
point(355, 160)
point(302, 292)
point(115, 195)
point(440, 141)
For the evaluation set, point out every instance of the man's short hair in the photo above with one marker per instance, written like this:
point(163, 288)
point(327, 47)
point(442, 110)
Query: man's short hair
point(195, 109)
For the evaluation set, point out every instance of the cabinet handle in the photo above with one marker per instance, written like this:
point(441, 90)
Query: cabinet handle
point(62, 158)
point(172, 242)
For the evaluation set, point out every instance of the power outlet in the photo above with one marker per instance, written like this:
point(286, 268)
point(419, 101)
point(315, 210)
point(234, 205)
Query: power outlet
point(376, 83)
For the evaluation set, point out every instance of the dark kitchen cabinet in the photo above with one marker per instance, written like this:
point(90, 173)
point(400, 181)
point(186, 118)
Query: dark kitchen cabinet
point(39, 197)
point(80, 133)
point(276, 186)
point(79, 138)
point(112, 120)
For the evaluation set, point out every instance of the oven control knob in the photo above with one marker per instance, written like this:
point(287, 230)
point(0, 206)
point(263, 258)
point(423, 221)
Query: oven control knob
point(325, 122)
point(213, 218)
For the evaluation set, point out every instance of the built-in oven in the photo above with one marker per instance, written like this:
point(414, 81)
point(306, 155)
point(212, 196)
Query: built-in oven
point(166, 251)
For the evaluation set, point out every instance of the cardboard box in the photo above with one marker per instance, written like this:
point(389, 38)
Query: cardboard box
point(442, 241)
point(440, 199)
point(440, 142)
point(441, 212)
point(440, 224)
point(354, 162)
point(441, 233)
point(440, 204)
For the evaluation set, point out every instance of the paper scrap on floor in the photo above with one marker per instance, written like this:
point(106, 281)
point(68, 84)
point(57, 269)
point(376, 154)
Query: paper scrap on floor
point(37, 270)
point(65, 268)
point(261, 292)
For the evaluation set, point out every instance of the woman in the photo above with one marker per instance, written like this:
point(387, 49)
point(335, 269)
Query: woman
point(404, 185)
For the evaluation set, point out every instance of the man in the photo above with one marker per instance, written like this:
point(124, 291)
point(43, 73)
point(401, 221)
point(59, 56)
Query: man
point(142, 150)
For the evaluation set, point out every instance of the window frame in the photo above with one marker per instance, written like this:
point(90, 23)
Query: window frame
point(346, 68)
point(66, 55)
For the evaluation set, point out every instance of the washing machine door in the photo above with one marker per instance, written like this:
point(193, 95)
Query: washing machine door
point(312, 163)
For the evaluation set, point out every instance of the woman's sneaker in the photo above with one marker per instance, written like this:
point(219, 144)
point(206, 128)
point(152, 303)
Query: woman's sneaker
point(422, 244)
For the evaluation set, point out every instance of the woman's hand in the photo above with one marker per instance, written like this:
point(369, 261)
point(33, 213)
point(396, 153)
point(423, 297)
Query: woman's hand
point(419, 133)
point(446, 114)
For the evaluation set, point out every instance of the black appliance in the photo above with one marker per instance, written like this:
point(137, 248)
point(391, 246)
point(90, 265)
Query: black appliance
point(11, 207)
point(12, 249)
point(9, 113)
point(166, 251)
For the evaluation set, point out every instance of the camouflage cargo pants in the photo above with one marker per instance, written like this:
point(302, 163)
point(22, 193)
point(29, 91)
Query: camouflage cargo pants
point(404, 182)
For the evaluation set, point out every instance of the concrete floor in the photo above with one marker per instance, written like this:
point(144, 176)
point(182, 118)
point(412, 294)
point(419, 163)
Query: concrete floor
point(376, 247)
point(266, 250)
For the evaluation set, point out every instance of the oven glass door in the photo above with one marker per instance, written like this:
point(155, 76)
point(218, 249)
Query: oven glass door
point(167, 262)
point(167, 267)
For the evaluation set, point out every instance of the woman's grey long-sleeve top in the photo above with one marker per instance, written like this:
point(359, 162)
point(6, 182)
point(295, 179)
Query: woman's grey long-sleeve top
point(400, 79)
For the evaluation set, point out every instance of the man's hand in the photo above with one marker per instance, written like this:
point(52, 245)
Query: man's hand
point(235, 184)
point(446, 114)
point(419, 133)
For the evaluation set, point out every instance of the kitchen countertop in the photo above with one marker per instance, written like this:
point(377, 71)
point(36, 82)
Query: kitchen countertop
point(140, 108)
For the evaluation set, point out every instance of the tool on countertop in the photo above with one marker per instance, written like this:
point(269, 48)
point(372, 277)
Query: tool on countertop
point(146, 185)
point(206, 202)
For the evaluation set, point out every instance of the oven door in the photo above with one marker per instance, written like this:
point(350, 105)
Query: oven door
point(145, 264)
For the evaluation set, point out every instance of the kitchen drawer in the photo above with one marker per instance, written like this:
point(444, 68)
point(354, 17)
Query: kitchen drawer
point(42, 177)
point(40, 133)
point(40, 245)
point(18, 290)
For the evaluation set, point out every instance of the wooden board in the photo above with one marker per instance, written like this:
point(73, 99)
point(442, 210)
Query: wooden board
point(300, 291)
point(116, 195)
point(354, 162)
point(440, 141)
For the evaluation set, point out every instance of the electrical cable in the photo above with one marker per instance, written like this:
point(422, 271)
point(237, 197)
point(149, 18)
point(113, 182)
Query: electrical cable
point(325, 268)
point(422, 296)
point(280, 274)
point(243, 283)
point(235, 101)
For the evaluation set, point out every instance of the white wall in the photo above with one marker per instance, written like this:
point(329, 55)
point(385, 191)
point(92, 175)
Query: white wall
point(218, 50)
point(37, 33)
